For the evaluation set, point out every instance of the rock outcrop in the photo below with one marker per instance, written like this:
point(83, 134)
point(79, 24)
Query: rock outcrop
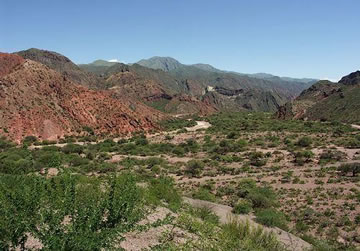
point(36, 100)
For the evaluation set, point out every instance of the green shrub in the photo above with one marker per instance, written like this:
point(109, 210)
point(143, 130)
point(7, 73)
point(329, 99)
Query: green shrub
point(163, 190)
point(205, 214)
point(194, 168)
point(29, 140)
point(303, 157)
point(238, 235)
point(242, 207)
point(50, 159)
point(73, 148)
point(5, 144)
point(204, 194)
point(271, 218)
point(257, 159)
point(262, 197)
point(43, 204)
point(353, 168)
point(178, 123)
point(305, 141)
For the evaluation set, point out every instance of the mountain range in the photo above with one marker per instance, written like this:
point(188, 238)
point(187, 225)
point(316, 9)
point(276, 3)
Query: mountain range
point(180, 88)
point(45, 94)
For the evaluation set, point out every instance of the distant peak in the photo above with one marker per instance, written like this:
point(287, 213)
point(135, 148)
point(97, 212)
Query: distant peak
point(351, 79)
point(162, 63)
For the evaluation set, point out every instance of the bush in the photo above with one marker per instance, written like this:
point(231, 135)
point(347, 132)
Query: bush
point(304, 141)
point(194, 168)
point(353, 168)
point(238, 235)
point(163, 189)
point(73, 148)
point(257, 159)
point(5, 144)
point(331, 156)
point(242, 207)
point(43, 205)
point(50, 159)
point(303, 157)
point(271, 218)
point(262, 197)
point(29, 140)
point(177, 123)
point(205, 214)
point(204, 194)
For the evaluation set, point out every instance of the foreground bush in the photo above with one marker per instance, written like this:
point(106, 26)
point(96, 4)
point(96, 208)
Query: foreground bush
point(66, 212)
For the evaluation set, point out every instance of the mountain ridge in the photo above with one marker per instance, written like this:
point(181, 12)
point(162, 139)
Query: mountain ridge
point(39, 101)
point(327, 101)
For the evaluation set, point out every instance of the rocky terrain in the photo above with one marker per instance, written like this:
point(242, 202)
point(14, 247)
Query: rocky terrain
point(38, 101)
point(62, 65)
point(326, 100)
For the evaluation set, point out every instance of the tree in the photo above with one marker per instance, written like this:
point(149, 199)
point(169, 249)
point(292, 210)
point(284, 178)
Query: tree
point(353, 168)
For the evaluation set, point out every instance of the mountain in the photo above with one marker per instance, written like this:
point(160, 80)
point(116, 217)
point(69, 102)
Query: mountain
point(290, 87)
point(158, 80)
point(327, 101)
point(351, 79)
point(62, 65)
point(36, 100)
point(155, 88)
point(161, 63)
point(207, 67)
point(97, 67)
point(273, 77)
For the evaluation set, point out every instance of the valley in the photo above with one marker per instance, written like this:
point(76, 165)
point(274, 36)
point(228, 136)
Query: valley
point(289, 176)
point(159, 155)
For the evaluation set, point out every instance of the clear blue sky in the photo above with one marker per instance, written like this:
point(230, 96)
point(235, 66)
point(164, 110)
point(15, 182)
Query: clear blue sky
point(298, 38)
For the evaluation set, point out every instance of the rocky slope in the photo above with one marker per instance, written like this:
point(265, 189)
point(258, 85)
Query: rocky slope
point(36, 100)
point(326, 100)
point(62, 65)
point(8, 62)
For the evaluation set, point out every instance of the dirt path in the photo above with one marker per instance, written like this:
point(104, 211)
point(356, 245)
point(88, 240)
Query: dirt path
point(200, 125)
point(225, 214)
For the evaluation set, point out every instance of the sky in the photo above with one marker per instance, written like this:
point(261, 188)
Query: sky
point(296, 38)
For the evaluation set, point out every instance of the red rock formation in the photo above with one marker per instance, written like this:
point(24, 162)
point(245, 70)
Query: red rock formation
point(8, 63)
point(35, 100)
